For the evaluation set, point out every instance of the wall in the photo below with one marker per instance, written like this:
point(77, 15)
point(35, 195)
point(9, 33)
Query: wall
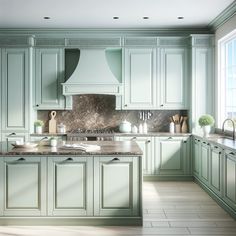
point(98, 111)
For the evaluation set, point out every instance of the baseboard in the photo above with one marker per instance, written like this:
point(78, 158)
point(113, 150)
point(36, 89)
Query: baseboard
point(214, 196)
point(71, 221)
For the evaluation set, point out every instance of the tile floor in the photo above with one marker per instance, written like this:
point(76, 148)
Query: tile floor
point(170, 208)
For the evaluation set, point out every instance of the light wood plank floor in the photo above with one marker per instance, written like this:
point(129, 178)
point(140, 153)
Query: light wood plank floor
point(170, 208)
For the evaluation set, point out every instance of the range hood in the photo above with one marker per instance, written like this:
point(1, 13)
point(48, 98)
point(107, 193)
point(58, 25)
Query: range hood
point(97, 71)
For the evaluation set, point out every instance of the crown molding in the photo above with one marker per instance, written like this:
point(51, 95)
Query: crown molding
point(72, 32)
point(223, 17)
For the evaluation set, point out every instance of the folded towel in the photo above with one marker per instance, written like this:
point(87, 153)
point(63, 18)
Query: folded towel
point(82, 146)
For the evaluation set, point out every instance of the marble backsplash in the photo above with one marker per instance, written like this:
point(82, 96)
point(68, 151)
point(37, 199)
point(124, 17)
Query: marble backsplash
point(98, 111)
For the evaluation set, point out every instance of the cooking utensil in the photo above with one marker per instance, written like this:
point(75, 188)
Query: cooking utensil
point(53, 123)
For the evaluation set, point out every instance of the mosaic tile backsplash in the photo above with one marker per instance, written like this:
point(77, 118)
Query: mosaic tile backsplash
point(98, 111)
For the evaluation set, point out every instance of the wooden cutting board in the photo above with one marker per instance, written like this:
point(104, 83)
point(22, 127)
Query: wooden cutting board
point(52, 123)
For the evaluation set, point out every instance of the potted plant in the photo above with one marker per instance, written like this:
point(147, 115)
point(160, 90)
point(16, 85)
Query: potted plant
point(38, 124)
point(206, 121)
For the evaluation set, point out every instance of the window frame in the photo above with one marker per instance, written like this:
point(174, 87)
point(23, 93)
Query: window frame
point(222, 57)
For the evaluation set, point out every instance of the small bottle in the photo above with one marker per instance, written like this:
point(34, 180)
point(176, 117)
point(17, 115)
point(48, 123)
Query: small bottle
point(134, 129)
point(53, 142)
point(145, 129)
point(140, 129)
point(172, 127)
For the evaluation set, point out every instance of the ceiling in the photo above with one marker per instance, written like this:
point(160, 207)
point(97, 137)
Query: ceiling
point(100, 13)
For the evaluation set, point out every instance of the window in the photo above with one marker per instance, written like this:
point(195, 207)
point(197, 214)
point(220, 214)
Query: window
point(227, 79)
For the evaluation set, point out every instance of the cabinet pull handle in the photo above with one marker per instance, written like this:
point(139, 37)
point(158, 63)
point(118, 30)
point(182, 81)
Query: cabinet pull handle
point(219, 153)
point(231, 153)
point(21, 159)
point(12, 134)
point(115, 159)
point(134, 138)
point(69, 159)
point(170, 138)
point(185, 141)
point(125, 105)
point(204, 142)
point(215, 147)
point(149, 141)
point(161, 105)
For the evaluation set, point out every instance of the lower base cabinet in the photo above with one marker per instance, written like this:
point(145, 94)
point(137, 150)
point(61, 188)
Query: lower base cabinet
point(216, 170)
point(172, 156)
point(116, 185)
point(230, 179)
point(70, 186)
point(25, 186)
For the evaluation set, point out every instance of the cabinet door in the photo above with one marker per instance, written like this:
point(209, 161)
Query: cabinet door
point(116, 186)
point(204, 167)
point(216, 176)
point(49, 76)
point(196, 158)
point(140, 79)
point(146, 144)
point(170, 156)
point(174, 78)
point(1, 185)
point(15, 89)
point(12, 138)
point(230, 179)
point(25, 186)
point(70, 186)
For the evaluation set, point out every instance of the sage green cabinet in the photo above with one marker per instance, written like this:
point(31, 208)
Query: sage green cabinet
point(205, 162)
point(172, 156)
point(49, 74)
point(147, 146)
point(174, 78)
point(116, 186)
point(15, 89)
point(70, 186)
point(196, 157)
point(140, 80)
point(11, 138)
point(25, 186)
point(230, 179)
point(216, 169)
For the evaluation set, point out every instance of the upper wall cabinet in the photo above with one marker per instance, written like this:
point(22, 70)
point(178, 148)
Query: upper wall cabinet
point(140, 78)
point(174, 82)
point(15, 89)
point(49, 74)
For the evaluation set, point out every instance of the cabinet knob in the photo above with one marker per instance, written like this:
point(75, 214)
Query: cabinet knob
point(134, 138)
point(162, 105)
point(215, 147)
point(69, 159)
point(125, 105)
point(219, 153)
point(21, 159)
point(115, 159)
point(170, 138)
point(149, 141)
point(185, 141)
point(37, 105)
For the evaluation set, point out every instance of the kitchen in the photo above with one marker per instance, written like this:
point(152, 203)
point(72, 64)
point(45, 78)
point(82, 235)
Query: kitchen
point(91, 73)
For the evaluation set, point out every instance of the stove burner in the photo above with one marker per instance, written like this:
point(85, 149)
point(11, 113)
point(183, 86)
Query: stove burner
point(94, 131)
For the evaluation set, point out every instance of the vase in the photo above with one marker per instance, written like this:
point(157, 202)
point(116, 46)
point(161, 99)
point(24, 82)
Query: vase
point(206, 130)
point(38, 129)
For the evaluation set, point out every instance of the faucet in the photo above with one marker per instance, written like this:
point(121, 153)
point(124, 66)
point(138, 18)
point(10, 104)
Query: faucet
point(223, 128)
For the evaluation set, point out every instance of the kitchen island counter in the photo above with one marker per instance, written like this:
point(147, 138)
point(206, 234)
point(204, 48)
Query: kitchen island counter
point(106, 148)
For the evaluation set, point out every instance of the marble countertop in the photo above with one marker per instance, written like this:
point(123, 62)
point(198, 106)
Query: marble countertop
point(107, 148)
point(117, 134)
point(219, 140)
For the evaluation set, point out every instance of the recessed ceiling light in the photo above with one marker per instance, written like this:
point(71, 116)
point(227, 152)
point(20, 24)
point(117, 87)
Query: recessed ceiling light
point(46, 17)
point(145, 17)
point(180, 17)
point(115, 17)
